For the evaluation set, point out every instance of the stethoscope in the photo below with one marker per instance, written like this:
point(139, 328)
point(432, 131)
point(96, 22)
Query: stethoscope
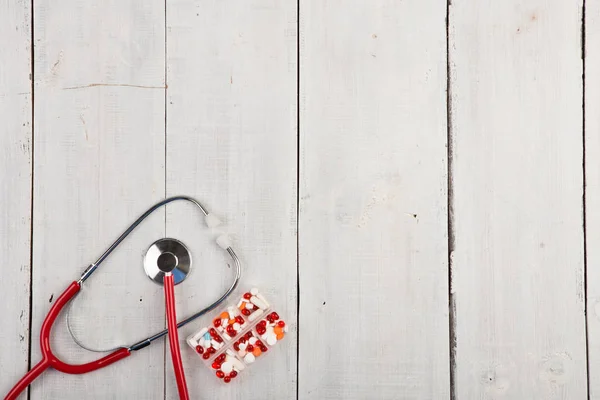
point(167, 256)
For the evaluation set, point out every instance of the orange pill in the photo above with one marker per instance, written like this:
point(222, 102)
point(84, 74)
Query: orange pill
point(280, 336)
point(242, 306)
point(231, 321)
point(278, 330)
point(257, 352)
point(224, 315)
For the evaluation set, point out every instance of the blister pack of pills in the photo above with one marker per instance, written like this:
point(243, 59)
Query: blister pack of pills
point(238, 335)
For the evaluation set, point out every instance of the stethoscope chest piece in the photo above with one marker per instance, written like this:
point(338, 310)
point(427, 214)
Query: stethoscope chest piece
point(167, 255)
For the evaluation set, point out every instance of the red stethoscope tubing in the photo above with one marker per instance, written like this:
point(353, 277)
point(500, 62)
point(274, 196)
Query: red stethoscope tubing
point(48, 357)
point(169, 284)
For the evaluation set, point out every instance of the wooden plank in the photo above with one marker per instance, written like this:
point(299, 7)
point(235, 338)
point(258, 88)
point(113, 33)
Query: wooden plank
point(592, 190)
point(15, 181)
point(517, 264)
point(373, 242)
point(99, 163)
point(232, 143)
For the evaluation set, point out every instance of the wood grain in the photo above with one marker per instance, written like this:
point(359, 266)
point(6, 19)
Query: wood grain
point(517, 264)
point(592, 190)
point(99, 163)
point(15, 181)
point(232, 143)
point(373, 239)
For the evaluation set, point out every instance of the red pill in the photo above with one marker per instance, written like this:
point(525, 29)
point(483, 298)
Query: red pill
point(217, 322)
point(246, 312)
point(216, 365)
point(213, 333)
point(274, 315)
point(249, 348)
point(233, 374)
point(281, 324)
point(227, 379)
point(239, 319)
point(260, 330)
point(220, 374)
point(206, 355)
point(263, 348)
point(262, 323)
point(221, 358)
point(236, 346)
point(248, 335)
point(247, 296)
point(211, 350)
point(199, 349)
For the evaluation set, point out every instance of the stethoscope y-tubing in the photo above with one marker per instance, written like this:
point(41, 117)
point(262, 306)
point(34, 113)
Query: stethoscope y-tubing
point(51, 360)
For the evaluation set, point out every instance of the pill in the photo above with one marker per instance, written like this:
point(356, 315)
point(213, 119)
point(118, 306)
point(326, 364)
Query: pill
point(239, 304)
point(255, 315)
point(249, 358)
point(242, 353)
point(231, 322)
point(278, 330)
point(253, 340)
point(256, 352)
point(262, 298)
point(258, 302)
point(237, 364)
point(249, 306)
point(224, 315)
point(243, 305)
point(226, 336)
point(280, 336)
point(198, 335)
point(224, 322)
point(271, 340)
point(207, 336)
point(243, 346)
point(285, 329)
point(254, 291)
point(227, 367)
point(231, 312)
point(236, 326)
point(230, 352)
point(215, 344)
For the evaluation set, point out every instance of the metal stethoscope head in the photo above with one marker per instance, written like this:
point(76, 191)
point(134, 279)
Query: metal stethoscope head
point(163, 255)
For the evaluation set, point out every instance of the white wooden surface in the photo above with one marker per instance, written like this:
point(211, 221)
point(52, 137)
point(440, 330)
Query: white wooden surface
point(373, 239)
point(592, 193)
point(15, 184)
point(323, 134)
point(518, 254)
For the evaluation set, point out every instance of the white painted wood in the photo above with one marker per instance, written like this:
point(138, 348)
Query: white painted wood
point(98, 164)
point(592, 193)
point(373, 242)
point(15, 184)
point(517, 264)
point(232, 143)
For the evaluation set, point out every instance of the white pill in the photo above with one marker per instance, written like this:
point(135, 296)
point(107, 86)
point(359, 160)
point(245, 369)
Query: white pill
point(226, 367)
point(215, 344)
point(240, 303)
point(202, 342)
point(253, 340)
point(258, 302)
point(237, 364)
point(226, 336)
point(271, 340)
point(255, 315)
point(262, 298)
point(230, 352)
point(249, 306)
point(198, 335)
point(231, 312)
point(249, 359)
point(242, 353)
point(270, 329)
point(236, 326)
point(242, 346)
point(254, 291)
